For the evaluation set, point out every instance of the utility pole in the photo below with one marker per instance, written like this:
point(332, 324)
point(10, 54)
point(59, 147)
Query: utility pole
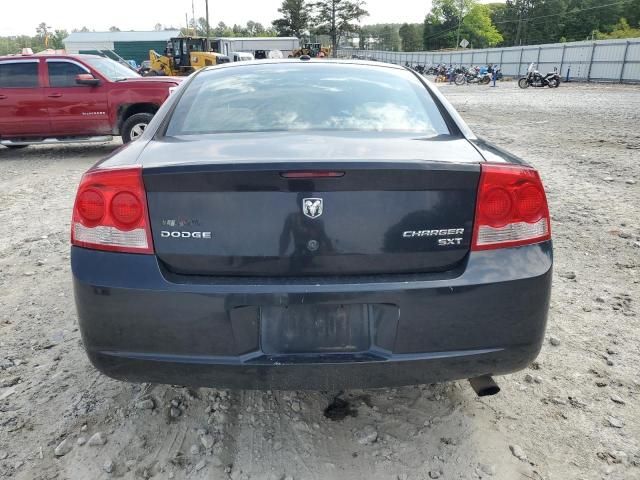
point(206, 4)
point(460, 8)
point(193, 17)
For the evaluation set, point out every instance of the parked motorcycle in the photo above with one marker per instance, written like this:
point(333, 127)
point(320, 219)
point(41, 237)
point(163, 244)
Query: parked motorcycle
point(536, 79)
point(473, 75)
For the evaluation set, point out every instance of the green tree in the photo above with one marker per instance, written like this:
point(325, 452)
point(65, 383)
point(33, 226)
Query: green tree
point(478, 29)
point(43, 32)
point(338, 17)
point(114, 29)
point(294, 20)
point(411, 36)
point(621, 30)
point(56, 40)
point(443, 24)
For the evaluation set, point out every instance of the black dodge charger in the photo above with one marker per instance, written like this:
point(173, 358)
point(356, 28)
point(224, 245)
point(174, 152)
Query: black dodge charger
point(310, 225)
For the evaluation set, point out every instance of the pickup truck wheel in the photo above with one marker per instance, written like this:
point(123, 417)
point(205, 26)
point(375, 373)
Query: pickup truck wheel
point(15, 147)
point(134, 126)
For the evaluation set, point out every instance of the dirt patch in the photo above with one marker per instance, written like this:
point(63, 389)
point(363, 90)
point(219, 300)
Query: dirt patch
point(339, 409)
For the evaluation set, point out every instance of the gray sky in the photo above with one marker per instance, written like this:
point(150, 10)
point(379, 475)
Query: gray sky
point(22, 16)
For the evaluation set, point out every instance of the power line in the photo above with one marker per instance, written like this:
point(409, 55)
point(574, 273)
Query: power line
point(572, 12)
point(533, 19)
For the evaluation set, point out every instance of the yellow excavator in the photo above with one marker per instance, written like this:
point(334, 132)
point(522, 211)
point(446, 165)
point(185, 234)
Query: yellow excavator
point(314, 50)
point(183, 56)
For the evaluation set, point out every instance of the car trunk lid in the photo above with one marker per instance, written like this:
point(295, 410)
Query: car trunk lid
point(310, 216)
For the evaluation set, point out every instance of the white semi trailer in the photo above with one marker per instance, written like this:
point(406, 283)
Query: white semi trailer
point(255, 45)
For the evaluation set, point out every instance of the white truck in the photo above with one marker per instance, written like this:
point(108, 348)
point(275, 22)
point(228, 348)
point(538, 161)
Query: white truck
point(259, 47)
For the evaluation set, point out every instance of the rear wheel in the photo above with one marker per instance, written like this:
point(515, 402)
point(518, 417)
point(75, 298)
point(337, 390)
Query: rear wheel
point(485, 80)
point(460, 79)
point(523, 83)
point(16, 147)
point(134, 126)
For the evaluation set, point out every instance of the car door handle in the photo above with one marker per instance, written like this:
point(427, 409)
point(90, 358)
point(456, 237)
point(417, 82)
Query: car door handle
point(3, 97)
point(55, 95)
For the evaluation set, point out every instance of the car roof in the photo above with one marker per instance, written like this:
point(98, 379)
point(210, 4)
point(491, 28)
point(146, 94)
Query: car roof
point(297, 61)
point(73, 56)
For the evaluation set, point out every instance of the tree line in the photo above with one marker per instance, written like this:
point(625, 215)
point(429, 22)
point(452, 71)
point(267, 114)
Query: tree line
point(515, 22)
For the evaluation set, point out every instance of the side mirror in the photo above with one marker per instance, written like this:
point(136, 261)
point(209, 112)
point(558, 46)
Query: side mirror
point(87, 79)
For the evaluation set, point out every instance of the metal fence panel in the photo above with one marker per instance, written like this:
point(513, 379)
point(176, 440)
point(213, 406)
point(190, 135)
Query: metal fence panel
point(600, 60)
point(631, 72)
point(551, 55)
point(605, 70)
point(605, 53)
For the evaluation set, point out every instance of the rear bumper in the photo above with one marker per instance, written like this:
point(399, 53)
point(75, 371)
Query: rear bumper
point(141, 323)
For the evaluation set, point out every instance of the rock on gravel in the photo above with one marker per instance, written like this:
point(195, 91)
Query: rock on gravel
point(97, 439)
point(9, 382)
point(486, 469)
point(617, 399)
point(207, 441)
point(518, 452)
point(555, 341)
point(109, 466)
point(367, 435)
point(147, 404)
point(63, 448)
point(615, 422)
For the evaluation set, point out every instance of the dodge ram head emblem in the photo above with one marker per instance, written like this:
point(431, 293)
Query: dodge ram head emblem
point(312, 207)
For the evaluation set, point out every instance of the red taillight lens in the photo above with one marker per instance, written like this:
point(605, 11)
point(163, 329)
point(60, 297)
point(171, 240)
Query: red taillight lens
point(126, 208)
point(511, 208)
point(497, 206)
point(90, 204)
point(110, 212)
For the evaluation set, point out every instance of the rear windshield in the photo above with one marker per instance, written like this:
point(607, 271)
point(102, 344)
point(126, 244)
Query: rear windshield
point(312, 96)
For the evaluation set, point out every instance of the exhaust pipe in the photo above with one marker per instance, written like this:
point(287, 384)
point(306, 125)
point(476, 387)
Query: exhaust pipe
point(484, 386)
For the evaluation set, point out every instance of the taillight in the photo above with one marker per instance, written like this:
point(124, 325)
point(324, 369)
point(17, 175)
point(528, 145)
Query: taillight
point(110, 212)
point(511, 209)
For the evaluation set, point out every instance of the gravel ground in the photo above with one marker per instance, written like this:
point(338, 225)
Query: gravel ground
point(574, 414)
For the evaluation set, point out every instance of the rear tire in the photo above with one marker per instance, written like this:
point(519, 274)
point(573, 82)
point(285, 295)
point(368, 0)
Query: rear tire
point(485, 80)
point(16, 147)
point(460, 79)
point(523, 83)
point(134, 126)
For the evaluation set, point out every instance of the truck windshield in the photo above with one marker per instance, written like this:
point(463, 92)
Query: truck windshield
point(287, 96)
point(111, 69)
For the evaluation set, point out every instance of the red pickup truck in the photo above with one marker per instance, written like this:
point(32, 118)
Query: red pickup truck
point(75, 98)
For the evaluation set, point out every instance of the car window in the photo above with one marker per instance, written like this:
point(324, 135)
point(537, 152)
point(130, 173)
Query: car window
point(277, 97)
point(63, 74)
point(111, 69)
point(19, 75)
